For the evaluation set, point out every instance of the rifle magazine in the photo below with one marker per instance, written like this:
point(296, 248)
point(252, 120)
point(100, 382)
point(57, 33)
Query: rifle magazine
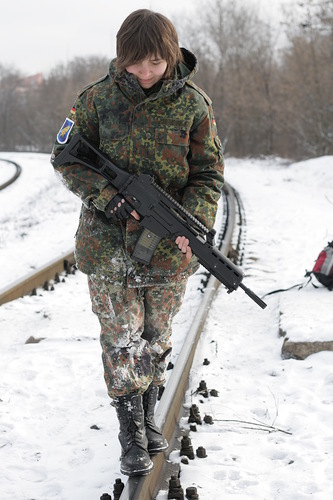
point(145, 246)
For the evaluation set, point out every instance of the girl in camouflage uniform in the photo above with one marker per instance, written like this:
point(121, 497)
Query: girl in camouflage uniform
point(149, 117)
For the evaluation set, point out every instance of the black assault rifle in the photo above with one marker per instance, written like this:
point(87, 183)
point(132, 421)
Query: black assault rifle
point(160, 214)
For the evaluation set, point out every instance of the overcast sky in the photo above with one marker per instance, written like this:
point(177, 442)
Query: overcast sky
point(35, 35)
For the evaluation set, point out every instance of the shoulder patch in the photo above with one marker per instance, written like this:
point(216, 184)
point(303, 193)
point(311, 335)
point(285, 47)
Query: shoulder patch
point(65, 130)
point(200, 91)
point(92, 84)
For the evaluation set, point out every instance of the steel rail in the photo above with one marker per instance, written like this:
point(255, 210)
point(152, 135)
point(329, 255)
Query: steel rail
point(37, 278)
point(18, 170)
point(169, 408)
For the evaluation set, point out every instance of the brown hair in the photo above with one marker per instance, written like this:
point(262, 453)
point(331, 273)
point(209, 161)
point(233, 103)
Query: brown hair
point(143, 34)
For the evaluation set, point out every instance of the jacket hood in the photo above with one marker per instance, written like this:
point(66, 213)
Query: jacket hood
point(189, 66)
point(183, 72)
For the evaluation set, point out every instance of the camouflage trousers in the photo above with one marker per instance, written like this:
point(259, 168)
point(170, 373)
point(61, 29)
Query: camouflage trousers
point(135, 331)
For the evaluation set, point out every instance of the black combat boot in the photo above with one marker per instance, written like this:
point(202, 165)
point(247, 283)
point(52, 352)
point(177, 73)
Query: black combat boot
point(135, 460)
point(156, 442)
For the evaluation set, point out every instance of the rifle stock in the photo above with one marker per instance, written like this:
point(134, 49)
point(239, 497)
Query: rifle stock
point(160, 214)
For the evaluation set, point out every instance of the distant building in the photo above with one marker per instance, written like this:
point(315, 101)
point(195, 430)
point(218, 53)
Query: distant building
point(29, 83)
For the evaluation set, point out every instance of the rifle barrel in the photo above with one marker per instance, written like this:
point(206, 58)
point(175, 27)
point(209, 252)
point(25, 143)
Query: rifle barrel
point(253, 296)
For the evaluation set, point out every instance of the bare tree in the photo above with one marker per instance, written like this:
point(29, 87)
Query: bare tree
point(60, 91)
point(10, 107)
point(265, 102)
point(237, 50)
point(307, 75)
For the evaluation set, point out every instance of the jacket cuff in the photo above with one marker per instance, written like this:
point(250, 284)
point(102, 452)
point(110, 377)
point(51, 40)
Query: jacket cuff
point(104, 197)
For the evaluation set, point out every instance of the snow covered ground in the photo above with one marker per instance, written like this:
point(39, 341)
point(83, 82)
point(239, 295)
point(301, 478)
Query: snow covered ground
point(272, 432)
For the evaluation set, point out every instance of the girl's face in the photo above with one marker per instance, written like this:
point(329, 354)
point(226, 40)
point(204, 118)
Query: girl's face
point(149, 71)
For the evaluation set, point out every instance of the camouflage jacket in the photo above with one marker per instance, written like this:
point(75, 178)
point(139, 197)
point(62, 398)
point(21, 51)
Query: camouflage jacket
point(170, 134)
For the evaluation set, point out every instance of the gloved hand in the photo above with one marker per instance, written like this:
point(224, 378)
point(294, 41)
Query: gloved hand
point(118, 208)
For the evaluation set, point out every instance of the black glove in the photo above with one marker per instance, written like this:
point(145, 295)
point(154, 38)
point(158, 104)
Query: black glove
point(118, 208)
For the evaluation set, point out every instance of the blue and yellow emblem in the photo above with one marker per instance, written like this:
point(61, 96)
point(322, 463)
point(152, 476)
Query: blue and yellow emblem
point(64, 132)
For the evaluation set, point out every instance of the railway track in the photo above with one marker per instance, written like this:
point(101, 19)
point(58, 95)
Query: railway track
point(169, 409)
point(229, 242)
point(13, 178)
point(38, 278)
